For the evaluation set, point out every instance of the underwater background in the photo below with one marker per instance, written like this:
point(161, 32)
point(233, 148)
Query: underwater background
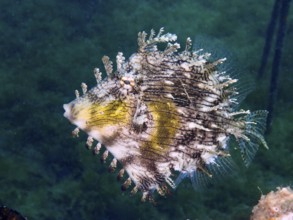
point(48, 47)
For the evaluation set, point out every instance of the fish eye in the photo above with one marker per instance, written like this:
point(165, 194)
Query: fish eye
point(127, 82)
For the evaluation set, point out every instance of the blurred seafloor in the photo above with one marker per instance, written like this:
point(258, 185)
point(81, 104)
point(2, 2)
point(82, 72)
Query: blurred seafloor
point(48, 47)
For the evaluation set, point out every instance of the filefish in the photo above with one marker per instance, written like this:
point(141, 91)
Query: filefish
point(165, 115)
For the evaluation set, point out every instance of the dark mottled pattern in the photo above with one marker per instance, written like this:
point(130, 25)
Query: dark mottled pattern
point(49, 47)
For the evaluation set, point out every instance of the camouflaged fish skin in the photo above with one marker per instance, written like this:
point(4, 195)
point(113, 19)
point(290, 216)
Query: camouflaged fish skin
point(166, 115)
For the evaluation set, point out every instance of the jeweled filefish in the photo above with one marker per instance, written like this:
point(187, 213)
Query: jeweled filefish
point(166, 113)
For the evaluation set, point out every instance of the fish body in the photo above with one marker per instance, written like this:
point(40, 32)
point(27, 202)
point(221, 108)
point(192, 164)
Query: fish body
point(164, 113)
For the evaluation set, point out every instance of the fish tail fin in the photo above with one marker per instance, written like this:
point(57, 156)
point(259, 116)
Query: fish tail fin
point(255, 125)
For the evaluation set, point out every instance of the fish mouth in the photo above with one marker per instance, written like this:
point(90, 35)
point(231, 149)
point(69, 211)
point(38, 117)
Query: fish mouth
point(67, 113)
point(71, 114)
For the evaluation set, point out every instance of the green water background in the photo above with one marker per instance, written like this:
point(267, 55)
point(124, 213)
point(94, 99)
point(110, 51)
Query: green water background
point(48, 47)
